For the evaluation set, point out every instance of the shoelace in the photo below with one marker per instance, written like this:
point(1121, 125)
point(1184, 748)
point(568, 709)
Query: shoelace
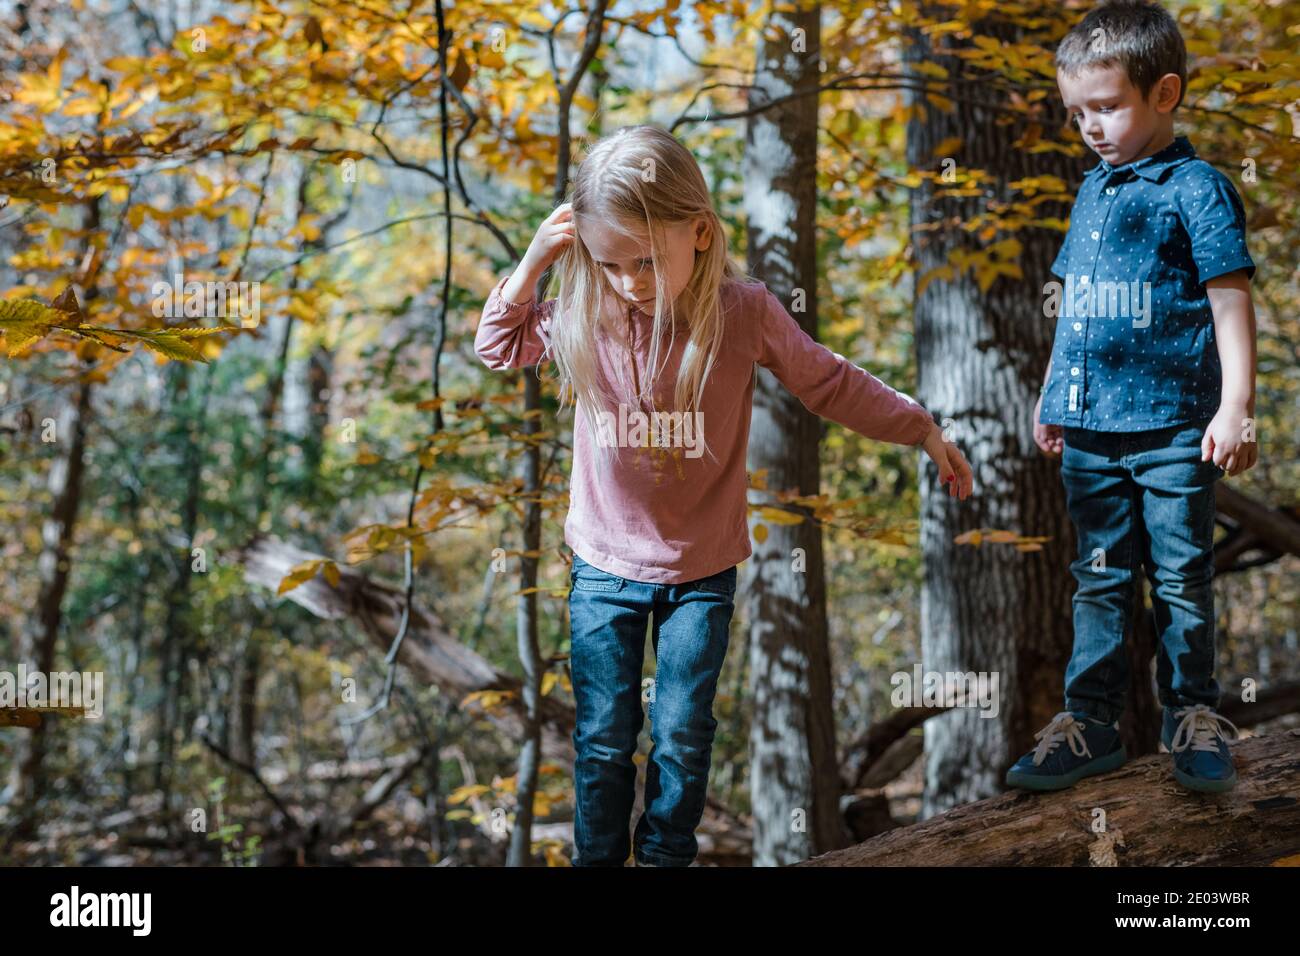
point(1064, 726)
point(1199, 727)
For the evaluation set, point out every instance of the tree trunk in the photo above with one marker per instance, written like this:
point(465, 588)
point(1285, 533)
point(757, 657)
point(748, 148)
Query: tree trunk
point(794, 778)
point(320, 373)
point(178, 643)
point(530, 657)
point(38, 639)
point(981, 358)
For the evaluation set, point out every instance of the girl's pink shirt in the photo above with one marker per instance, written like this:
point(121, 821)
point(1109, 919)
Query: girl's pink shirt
point(655, 514)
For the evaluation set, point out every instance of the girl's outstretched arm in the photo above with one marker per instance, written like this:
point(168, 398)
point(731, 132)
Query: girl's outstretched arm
point(831, 386)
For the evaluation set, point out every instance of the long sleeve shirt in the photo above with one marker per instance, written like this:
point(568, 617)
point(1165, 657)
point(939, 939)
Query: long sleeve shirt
point(665, 513)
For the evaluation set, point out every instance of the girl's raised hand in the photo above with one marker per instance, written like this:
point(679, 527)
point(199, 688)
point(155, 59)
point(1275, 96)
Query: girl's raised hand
point(555, 232)
point(553, 235)
point(954, 471)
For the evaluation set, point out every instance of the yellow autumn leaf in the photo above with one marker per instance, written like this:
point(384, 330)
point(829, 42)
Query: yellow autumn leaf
point(463, 793)
point(942, 102)
point(948, 147)
point(941, 272)
point(299, 574)
point(534, 18)
point(1007, 248)
point(930, 69)
point(957, 27)
point(780, 516)
point(82, 106)
point(892, 537)
point(487, 699)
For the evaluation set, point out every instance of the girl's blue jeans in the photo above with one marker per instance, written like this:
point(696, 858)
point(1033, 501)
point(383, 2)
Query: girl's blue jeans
point(690, 626)
point(1141, 500)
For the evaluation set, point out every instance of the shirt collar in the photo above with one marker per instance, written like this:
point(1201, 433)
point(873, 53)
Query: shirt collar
point(1154, 166)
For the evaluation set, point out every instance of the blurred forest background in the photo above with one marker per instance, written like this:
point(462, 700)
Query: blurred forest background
point(318, 556)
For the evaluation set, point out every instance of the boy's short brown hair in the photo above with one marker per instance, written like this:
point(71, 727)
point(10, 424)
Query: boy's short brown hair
point(1138, 35)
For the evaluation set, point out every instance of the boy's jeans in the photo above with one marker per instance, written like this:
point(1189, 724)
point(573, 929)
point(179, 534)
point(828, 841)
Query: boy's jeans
point(608, 616)
point(1141, 499)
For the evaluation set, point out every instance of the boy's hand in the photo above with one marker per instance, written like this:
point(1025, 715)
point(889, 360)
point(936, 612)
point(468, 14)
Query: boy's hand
point(952, 464)
point(1225, 440)
point(1049, 438)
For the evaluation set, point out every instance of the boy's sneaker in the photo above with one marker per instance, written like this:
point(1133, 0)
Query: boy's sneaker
point(1092, 748)
point(1202, 761)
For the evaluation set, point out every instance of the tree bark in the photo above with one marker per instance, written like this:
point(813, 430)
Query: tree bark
point(530, 657)
point(981, 358)
point(794, 777)
point(1149, 820)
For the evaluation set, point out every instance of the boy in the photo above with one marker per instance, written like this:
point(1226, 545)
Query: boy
point(1149, 396)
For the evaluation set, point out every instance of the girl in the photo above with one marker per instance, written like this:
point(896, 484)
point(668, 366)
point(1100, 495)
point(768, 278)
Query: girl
point(656, 336)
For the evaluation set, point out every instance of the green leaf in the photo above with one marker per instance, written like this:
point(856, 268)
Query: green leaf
point(172, 346)
point(16, 312)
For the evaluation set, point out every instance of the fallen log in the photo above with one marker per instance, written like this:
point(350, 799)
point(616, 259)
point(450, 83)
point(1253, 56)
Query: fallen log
point(1273, 699)
point(433, 655)
point(429, 651)
point(332, 771)
point(1148, 820)
point(1276, 531)
point(866, 752)
point(30, 717)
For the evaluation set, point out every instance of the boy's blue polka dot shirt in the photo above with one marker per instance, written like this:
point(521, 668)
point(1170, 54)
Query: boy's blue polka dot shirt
point(1135, 347)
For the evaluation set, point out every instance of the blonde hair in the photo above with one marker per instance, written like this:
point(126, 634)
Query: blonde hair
point(636, 181)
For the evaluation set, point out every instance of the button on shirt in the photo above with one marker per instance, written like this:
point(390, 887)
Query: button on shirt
point(1135, 347)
